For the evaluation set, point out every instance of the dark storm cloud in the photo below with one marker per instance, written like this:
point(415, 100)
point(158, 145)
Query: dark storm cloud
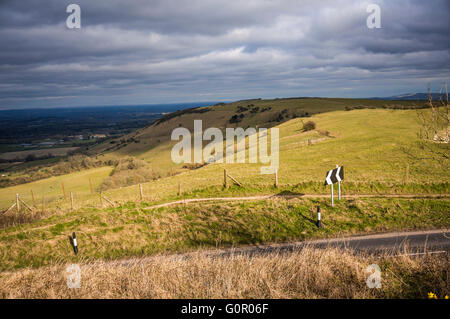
point(130, 52)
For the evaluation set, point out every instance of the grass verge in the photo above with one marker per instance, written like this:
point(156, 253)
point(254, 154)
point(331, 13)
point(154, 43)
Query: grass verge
point(133, 230)
point(309, 273)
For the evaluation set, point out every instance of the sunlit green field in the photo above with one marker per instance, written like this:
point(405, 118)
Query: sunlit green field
point(51, 189)
point(368, 143)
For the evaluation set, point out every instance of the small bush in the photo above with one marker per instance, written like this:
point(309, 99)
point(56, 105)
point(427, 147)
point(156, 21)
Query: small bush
point(309, 126)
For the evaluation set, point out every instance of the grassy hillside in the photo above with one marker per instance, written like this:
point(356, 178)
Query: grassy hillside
point(369, 143)
point(148, 143)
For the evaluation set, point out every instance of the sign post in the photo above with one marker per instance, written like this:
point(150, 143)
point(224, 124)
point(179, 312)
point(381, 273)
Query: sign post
point(332, 197)
point(339, 183)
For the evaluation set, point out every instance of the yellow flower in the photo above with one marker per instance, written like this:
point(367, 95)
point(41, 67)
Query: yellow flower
point(446, 297)
point(432, 295)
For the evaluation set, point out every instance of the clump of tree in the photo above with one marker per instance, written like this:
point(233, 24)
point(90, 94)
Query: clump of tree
point(241, 109)
point(281, 116)
point(434, 132)
point(308, 126)
point(435, 121)
point(255, 109)
point(236, 118)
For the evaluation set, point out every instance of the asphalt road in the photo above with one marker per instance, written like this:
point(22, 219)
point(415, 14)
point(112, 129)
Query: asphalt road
point(396, 243)
point(393, 244)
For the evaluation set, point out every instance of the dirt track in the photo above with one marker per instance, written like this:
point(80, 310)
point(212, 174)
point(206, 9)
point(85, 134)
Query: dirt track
point(261, 197)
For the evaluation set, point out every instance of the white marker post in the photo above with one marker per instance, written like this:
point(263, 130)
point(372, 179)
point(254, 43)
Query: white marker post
point(75, 245)
point(319, 224)
point(332, 200)
point(338, 177)
point(339, 185)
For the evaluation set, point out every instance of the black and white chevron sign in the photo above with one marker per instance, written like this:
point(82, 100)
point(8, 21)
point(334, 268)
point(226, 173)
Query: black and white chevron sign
point(334, 175)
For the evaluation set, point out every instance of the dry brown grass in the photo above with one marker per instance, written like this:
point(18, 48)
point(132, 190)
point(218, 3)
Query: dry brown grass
point(309, 273)
point(13, 218)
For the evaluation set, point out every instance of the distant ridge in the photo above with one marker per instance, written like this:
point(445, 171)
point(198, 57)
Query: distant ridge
point(410, 96)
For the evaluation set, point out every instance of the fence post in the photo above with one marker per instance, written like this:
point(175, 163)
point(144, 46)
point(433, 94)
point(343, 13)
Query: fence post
point(276, 178)
point(179, 187)
point(71, 200)
point(17, 203)
point(64, 191)
point(32, 197)
point(140, 191)
point(225, 178)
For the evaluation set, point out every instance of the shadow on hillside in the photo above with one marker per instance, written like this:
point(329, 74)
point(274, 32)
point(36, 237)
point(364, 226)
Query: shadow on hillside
point(289, 193)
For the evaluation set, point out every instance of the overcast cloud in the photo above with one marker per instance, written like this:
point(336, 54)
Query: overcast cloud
point(145, 52)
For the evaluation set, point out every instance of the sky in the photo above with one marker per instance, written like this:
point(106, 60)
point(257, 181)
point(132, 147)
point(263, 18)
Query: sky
point(152, 52)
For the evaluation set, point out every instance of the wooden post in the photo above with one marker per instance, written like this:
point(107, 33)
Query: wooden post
point(90, 186)
point(32, 198)
point(25, 204)
point(276, 178)
point(225, 178)
point(17, 203)
point(10, 207)
point(64, 191)
point(234, 180)
point(140, 191)
point(179, 188)
point(111, 203)
point(71, 200)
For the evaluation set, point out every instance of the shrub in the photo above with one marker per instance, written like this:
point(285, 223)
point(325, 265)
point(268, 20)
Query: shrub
point(309, 126)
point(235, 119)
